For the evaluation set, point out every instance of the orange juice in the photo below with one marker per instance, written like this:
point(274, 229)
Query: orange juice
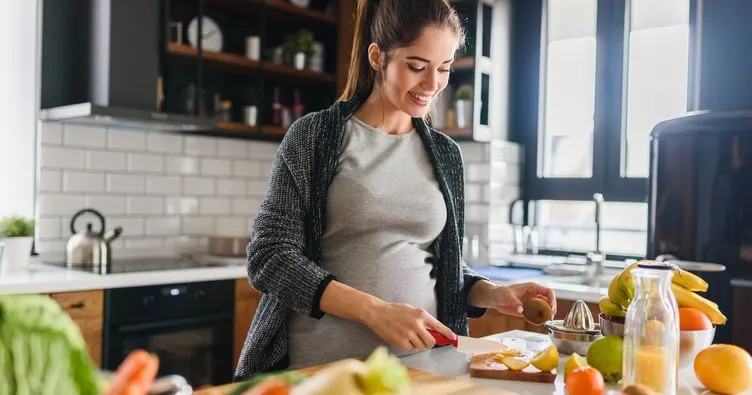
point(653, 367)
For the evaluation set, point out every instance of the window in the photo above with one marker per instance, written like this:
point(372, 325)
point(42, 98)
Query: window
point(607, 72)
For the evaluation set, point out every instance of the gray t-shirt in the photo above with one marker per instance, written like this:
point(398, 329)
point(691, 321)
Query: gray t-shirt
point(384, 209)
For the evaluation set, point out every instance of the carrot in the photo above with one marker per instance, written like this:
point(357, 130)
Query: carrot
point(270, 387)
point(133, 362)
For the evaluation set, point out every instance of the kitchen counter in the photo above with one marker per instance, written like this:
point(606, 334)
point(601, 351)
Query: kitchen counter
point(45, 278)
point(446, 361)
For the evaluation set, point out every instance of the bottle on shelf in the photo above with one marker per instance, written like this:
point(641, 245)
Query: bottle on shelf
point(298, 109)
point(276, 108)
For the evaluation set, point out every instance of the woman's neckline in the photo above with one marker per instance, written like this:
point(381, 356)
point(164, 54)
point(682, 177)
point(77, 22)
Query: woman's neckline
point(379, 131)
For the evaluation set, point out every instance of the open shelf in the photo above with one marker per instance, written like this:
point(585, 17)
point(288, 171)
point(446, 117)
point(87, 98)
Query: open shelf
point(282, 8)
point(244, 64)
point(237, 127)
point(273, 130)
point(457, 131)
point(463, 63)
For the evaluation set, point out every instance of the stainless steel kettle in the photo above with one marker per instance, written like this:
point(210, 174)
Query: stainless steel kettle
point(89, 248)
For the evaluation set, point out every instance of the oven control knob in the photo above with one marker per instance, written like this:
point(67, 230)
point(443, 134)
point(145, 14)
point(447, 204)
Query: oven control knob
point(147, 300)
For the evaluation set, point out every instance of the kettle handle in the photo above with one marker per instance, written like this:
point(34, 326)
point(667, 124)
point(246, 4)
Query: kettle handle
point(84, 211)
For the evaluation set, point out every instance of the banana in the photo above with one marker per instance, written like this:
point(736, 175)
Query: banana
point(689, 281)
point(610, 308)
point(686, 298)
point(623, 287)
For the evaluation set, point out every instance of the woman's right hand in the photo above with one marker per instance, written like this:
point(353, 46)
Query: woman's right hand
point(404, 326)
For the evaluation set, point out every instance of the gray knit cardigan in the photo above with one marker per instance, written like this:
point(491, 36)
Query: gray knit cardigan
point(284, 254)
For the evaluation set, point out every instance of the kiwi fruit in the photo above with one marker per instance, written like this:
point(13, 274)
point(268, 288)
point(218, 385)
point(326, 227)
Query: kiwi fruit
point(536, 311)
point(637, 389)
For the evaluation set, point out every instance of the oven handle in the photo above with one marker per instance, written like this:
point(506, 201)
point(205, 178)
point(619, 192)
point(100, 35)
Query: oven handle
point(181, 321)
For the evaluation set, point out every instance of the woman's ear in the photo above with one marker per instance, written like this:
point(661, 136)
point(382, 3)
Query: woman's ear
point(374, 56)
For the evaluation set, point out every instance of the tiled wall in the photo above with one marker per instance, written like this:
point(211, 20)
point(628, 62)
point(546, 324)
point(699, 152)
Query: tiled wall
point(172, 190)
point(165, 190)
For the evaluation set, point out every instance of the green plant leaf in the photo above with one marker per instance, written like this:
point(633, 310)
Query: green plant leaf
point(16, 226)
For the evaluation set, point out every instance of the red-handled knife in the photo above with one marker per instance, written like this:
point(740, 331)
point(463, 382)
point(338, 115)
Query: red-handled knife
point(468, 345)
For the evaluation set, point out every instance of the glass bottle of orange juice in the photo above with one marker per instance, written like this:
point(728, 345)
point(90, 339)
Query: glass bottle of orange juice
point(651, 330)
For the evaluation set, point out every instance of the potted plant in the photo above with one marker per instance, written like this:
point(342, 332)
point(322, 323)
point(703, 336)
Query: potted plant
point(305, 46)
point(17, 233)
point(463, 105)
point(289, 47)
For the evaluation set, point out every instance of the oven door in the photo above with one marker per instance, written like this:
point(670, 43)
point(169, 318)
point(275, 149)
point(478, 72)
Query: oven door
point(198, 349)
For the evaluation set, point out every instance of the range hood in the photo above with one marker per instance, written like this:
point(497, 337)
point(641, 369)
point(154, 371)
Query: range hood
point(101, 66)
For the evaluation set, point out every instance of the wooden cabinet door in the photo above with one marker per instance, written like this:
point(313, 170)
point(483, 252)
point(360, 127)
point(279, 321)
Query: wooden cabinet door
point(246, 302)
point(86, 310)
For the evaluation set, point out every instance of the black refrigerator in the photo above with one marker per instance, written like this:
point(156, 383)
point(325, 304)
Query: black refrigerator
point(700, 199)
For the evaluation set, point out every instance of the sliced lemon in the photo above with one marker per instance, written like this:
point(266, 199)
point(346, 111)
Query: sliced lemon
point(575, 361)
point(515, 363)
point(547, 359)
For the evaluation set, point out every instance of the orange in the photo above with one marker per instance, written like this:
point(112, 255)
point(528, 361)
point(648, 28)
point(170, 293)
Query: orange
point(585, 381)
point(724, 368)
point(691, 319)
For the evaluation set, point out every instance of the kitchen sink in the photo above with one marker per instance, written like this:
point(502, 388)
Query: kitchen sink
point(599, 281)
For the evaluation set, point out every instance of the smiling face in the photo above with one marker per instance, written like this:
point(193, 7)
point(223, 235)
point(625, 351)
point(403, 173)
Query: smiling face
point(417, 73)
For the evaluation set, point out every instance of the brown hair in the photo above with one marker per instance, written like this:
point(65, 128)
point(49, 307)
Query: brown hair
point(392, 24)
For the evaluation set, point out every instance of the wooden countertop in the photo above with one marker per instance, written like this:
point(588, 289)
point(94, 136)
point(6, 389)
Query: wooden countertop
point(421, 383)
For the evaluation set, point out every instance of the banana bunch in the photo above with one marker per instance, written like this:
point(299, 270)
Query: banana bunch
point(684, 284)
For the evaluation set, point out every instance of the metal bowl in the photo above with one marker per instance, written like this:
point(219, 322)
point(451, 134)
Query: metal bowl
point(611, 326)
point(569, 341)
point(691, 343)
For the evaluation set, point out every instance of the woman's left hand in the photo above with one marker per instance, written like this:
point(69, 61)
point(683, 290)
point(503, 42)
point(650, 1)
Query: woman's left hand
point(509, 299)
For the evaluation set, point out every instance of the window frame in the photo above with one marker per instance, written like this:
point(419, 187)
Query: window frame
point(529, 41)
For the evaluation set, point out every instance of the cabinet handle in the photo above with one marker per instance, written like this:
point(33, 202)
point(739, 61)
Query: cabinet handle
point(79, 305)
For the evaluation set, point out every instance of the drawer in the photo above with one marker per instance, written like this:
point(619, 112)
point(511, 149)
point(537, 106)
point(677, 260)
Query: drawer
point(84, 304)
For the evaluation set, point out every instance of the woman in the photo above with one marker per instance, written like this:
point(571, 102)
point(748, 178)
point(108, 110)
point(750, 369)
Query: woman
point(357, 242)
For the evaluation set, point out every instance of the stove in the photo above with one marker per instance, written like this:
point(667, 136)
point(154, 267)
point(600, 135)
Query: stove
point(146, 264)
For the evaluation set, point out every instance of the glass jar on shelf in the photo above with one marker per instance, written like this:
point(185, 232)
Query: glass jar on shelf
point(651, 330)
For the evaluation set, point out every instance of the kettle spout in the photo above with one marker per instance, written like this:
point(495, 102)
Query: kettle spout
point(113, 234)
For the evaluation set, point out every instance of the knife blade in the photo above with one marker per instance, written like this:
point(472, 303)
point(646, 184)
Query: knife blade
point(468, 345)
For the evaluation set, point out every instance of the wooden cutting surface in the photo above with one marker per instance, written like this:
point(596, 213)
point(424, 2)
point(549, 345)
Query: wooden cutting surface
point(422, 383)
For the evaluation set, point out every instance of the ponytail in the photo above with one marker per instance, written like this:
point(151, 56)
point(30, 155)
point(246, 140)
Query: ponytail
point(360, 75)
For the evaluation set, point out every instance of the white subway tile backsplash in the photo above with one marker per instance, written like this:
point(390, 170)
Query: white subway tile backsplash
point(62, 158)
point(131, 140)
point(265, 169)
point(198, 186)
point(216, 167)
point(50, 181)
point(208, 206)
point(182, 165)
point(105, 160)
point(164, 142)
point(162, 226)
point(143, 243)
point(478, 173)
point(476, 213)
point(145, 205)
point(131, 226)
point(83, 182)
point(199, 145)
point(59, 204)
point(231, 226)
point(230, 187)
point(475, 152)
point(245, 206)
point(242, 168)
point(84, 136)
point(49, 228)
point(145, 163)
point(107, 205)
point(257, 187)
point(232, 148)
point(474, 192)
point(52, 133)
point(177, 205)
point(51, 247)
point(125, 183)
point(262, 150)
point(198, 225)
point(160, 185)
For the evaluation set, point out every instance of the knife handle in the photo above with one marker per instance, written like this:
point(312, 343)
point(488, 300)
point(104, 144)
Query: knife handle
point(441, 340)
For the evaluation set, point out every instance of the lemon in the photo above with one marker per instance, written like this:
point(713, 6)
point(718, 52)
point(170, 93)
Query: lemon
point(547, 359)
point(605, 354)
point(575, 361)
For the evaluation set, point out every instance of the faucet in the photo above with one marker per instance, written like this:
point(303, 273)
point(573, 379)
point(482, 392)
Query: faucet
point(594, 259)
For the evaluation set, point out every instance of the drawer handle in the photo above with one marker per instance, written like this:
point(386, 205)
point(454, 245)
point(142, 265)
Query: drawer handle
point(79, 305)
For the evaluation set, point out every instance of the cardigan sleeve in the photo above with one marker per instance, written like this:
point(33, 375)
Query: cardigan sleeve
point(470, 277)
point(277, 264)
